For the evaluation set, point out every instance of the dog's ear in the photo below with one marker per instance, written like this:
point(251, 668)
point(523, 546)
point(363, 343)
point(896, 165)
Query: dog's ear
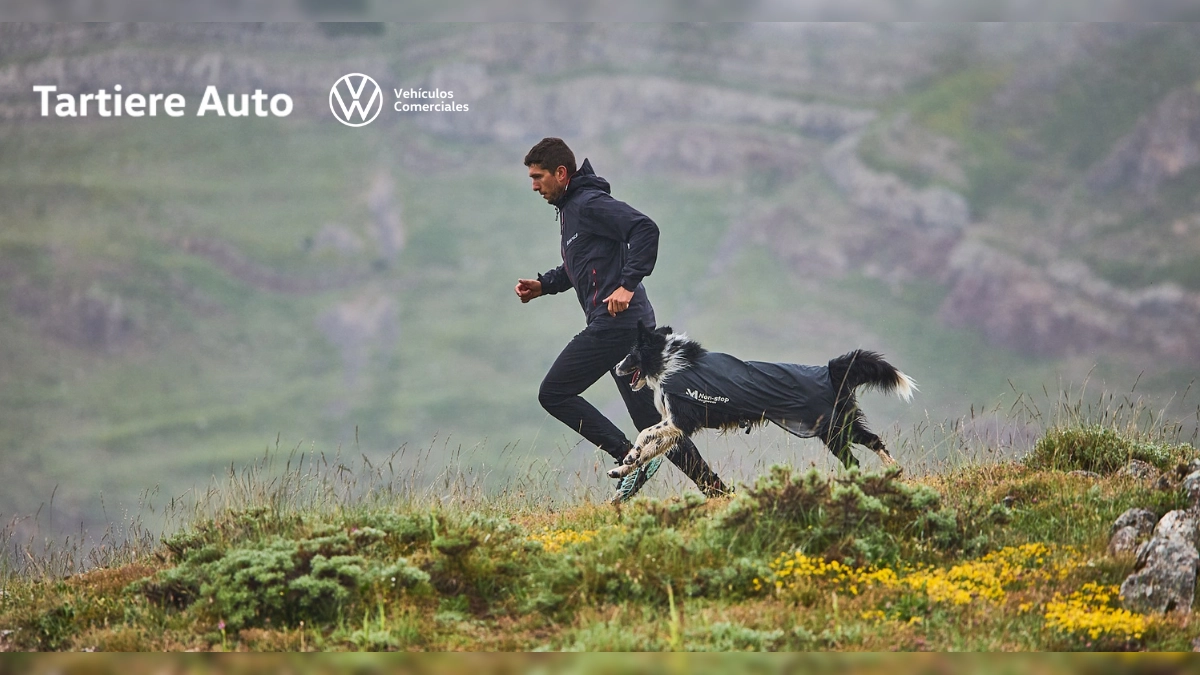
point(643, 332)
point(664, 330)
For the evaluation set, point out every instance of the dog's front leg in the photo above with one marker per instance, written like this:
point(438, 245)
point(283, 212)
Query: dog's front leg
point(630, 461)
point(652, 442)
point(644, 440)
point(664, 440)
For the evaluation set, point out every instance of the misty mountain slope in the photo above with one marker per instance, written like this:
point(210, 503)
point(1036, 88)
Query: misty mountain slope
point(1057, 164)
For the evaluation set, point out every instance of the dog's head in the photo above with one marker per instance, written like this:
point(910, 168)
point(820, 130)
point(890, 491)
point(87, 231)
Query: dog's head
point(647, 357)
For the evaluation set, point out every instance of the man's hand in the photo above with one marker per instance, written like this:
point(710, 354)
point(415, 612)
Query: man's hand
point(618, 301)
point(528, 289)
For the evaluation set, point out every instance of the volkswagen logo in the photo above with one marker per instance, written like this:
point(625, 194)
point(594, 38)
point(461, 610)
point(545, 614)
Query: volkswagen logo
point(364, 96)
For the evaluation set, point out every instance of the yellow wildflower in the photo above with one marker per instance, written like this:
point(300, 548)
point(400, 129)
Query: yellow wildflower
point(989, 578)
point(554, 541)
point(1088, 612)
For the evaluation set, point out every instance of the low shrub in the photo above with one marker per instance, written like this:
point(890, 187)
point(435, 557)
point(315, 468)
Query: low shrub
point(859, 518)
point(1100, 449)
point(282, 581)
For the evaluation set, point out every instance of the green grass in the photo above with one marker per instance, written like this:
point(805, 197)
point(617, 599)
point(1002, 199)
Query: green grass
point(317, 556)
point(951, 105)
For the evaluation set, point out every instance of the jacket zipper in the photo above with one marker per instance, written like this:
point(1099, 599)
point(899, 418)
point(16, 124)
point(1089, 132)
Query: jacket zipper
point(596, 295)
point(562, 250)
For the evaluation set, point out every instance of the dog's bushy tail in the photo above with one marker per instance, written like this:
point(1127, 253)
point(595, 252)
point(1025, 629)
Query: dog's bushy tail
point(866, 368)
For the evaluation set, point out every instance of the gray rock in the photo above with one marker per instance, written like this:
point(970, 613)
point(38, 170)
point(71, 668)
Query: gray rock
point(1130, 527)
point(1124, 540)
point(1166, 577)
point(1136, 468)
point(1191, 485)
point(1179, 524)
point(1193, 466)
point(1142, 520)
point(1084, 474)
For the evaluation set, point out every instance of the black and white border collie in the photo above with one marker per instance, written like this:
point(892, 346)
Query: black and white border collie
point(829, 409)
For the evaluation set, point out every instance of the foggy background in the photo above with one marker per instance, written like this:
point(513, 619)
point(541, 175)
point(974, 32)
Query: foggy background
point(1006, 211)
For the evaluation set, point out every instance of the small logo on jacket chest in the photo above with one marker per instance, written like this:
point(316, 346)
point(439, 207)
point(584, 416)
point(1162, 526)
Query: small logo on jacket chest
point(573, 238)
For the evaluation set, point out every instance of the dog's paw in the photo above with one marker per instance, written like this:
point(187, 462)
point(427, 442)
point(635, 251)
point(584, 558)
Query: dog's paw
point(632, 457)
point(620, 471)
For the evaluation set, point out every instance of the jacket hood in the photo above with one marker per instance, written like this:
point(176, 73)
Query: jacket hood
point(584, 178)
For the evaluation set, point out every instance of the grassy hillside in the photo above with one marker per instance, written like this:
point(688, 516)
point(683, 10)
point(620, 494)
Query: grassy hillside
point(992, 556)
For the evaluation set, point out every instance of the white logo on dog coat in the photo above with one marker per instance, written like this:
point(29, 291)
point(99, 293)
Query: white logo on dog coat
point(705, 398)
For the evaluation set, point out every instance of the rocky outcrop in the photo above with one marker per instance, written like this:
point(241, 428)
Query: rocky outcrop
point(1063, 309)
point(1179, 524)
point(935, 210)
point(387, 224)
point(1055, 309)
point(359, 328)
point(517, 110)
point(1141, 520)
point(855, 61)
point(1163, 144)
point(1129, 528)
point(914, 229)
point(232, 261)
point(1139, 470)
point(716, 151)
point(94, 318)
point(1191, 487)
point(1164, 579)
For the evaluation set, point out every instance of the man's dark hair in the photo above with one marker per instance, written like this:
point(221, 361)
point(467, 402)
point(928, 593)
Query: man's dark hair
point(551, 153)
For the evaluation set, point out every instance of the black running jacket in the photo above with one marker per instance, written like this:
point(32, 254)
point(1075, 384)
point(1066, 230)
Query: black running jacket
point(606, 243)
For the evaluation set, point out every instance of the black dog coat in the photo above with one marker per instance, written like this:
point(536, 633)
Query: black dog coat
point(793, 396)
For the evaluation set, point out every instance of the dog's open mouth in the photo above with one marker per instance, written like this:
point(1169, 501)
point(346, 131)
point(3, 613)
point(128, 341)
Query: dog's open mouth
point(637, 374)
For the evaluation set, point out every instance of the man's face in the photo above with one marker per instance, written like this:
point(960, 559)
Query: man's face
point(549, 184)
